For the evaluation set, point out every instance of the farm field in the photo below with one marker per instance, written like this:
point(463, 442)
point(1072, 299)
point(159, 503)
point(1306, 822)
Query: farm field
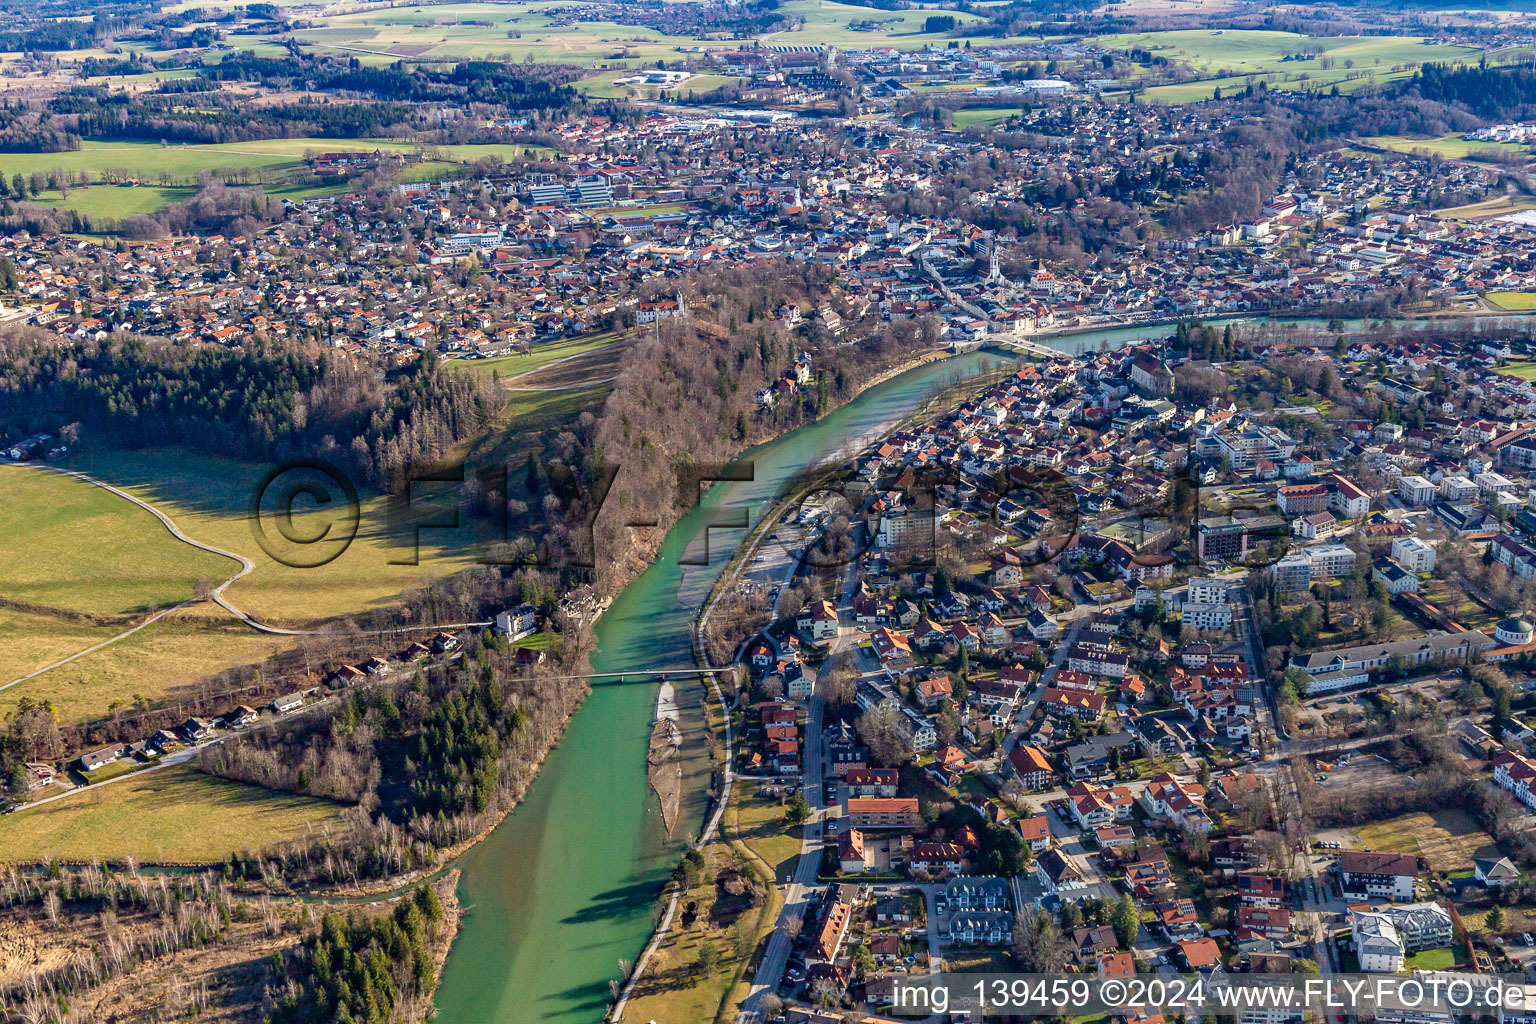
point(89, 551)
point(170, 816)
point(1447, 839)
point(1515, 302)
point(1244, 51)
point(514, 31)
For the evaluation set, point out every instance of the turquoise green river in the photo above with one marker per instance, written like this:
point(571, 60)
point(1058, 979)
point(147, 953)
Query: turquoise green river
point(566, 886)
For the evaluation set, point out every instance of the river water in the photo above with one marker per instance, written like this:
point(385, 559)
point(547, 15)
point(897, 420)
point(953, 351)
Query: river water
point(567, 885)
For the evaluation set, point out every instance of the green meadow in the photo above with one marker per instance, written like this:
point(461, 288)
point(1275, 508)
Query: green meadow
point(1453, 147)
point(172, 816)
point(149, 161)
point(972, 117)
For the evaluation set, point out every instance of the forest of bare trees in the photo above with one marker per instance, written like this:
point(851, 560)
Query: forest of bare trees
point(686, 395)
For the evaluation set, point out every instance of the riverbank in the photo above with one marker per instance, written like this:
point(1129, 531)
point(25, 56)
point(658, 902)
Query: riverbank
point(665, 772)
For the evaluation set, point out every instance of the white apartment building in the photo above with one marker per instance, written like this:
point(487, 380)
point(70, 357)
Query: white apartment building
point(1415, 490)
point(1413, 554)
point(1209, 589)
point(1457, 488)
point(1330, 560)
point(1207, 615)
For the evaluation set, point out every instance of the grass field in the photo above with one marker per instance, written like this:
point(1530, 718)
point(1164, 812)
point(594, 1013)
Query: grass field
point(1525, 369)
point(68, 550)
point(602, 86)
point(540, 355)
point(529, 412)
point(171, 816)
point(144, 160)
point(674, 988)
point(210, 498)
point(1489, 208)
point(1435, 960)
point(154, 664)
point(514, 31)
point(90, 551)
point(1515, 302)
point(1452, 147)
point(1245, 51)
point(1245, 56)
point(759, 822)
point(114, 201)
point(1446, 840)
point(972, 117)
point(279, 159)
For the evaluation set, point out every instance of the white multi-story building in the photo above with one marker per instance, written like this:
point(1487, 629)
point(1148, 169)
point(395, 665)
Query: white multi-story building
point(1457, 488)
point(1207, 615)
point(1385, 936)
point(1378, 946)
point(1347, 499)
point(1349, 666)
point(1415, 490)
point(1517, 775)
point(1413, 554)
point(1293, 572)
point(1491, 483)
point(1330, 560)
point(1209, 589)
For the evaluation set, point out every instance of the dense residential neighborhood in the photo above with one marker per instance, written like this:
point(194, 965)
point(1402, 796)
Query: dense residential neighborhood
point(816, 500)
point(1122, 770)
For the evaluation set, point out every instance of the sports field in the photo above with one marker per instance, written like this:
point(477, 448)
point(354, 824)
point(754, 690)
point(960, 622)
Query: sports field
point(1515, 302)
point(172, 816)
